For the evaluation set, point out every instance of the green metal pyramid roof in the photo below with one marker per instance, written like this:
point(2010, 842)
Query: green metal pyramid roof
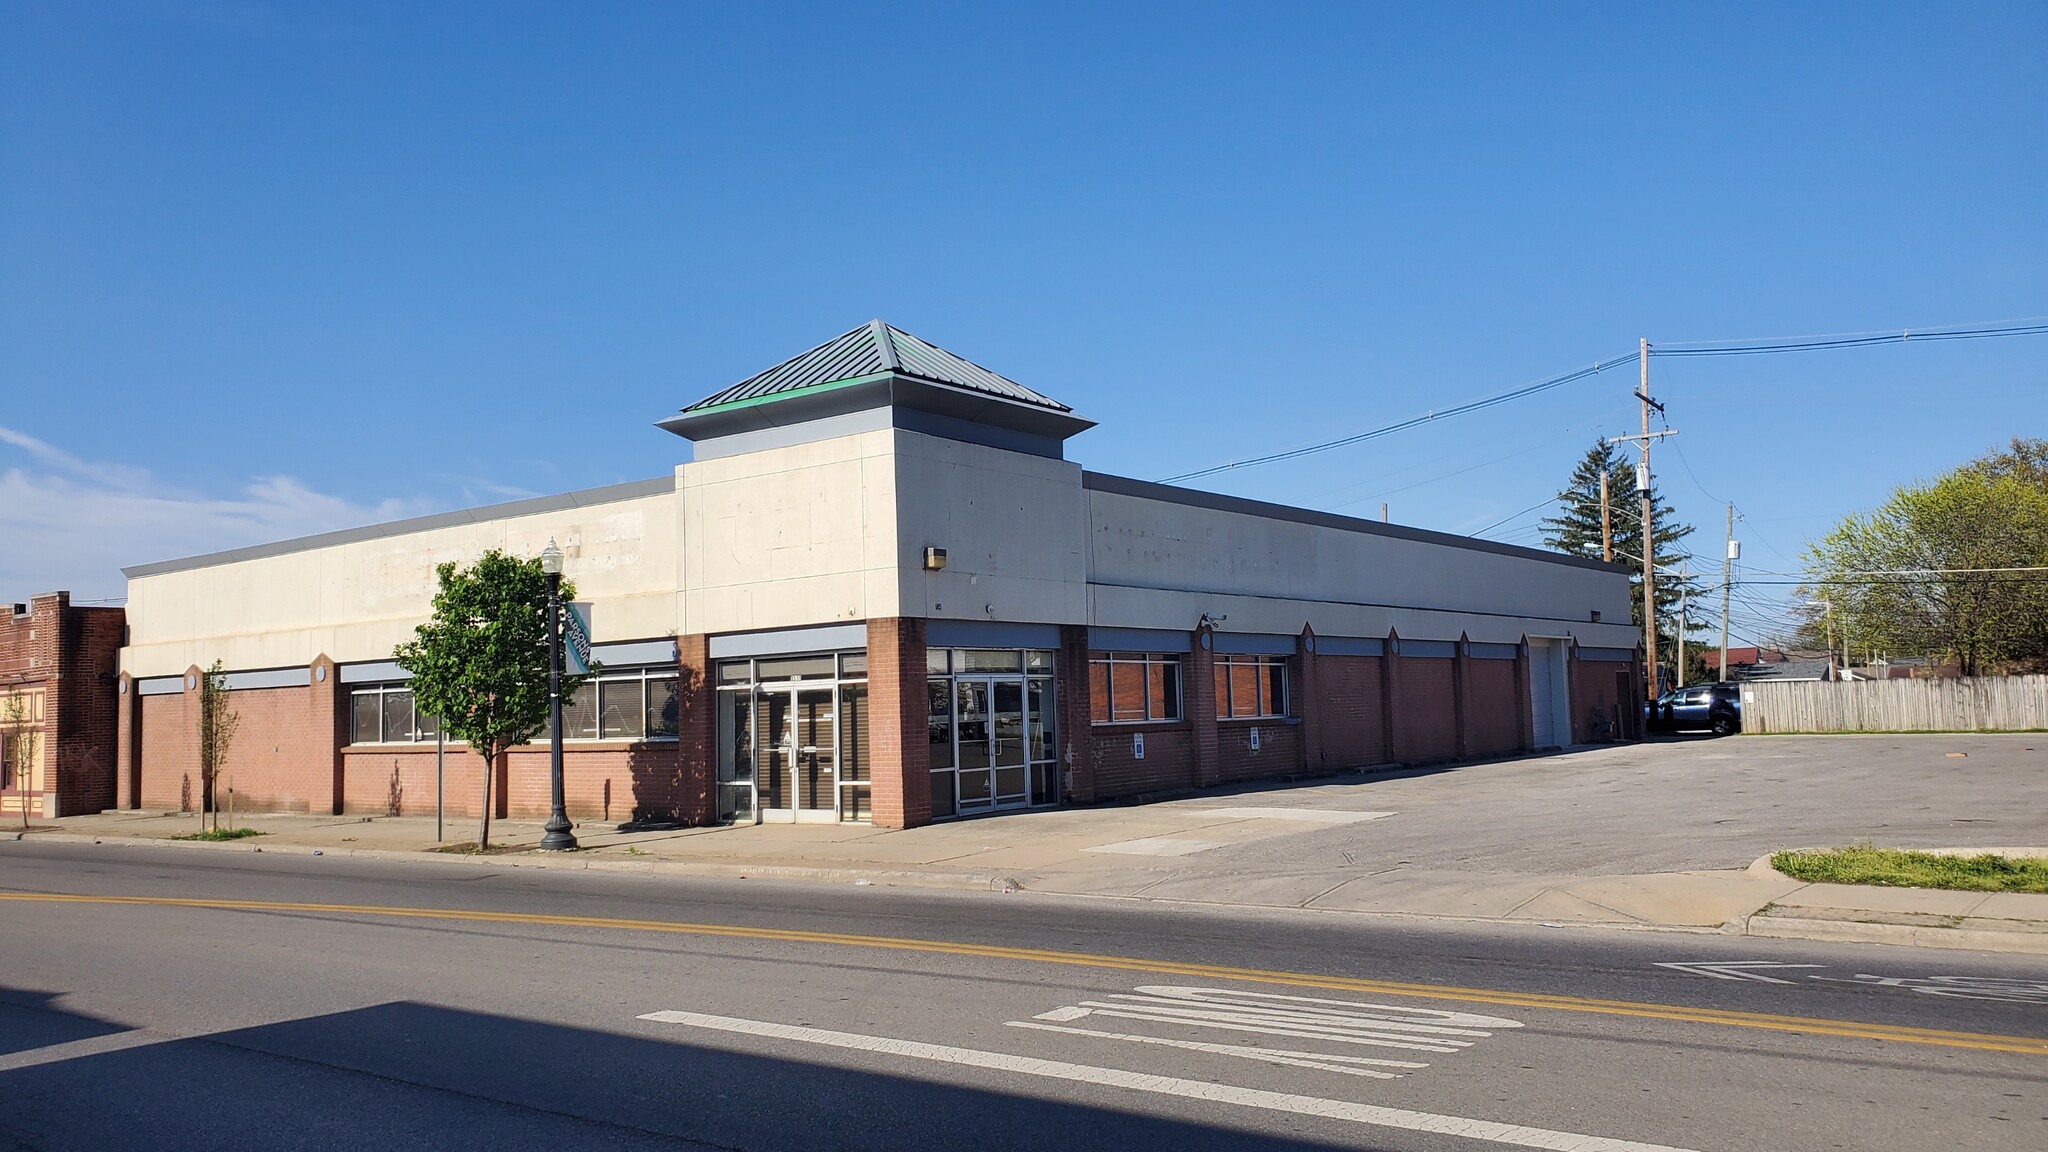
point(872, 350)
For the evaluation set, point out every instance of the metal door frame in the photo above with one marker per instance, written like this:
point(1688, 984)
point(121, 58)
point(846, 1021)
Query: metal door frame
point(987, 681)
point(829, 747)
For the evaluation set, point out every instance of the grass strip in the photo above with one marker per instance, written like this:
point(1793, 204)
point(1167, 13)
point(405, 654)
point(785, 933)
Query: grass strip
point(1897, 868)
point(220, 834)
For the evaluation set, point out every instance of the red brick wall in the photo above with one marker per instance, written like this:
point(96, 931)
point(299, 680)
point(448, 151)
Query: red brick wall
point(1168, 763)
point(87, 706)
point(1494, 716)
point(1428, 723)
point(899, 747)
point(695, 773)
point(170, 752)
point(1593, 686)
point(1077, 748)
point(1347, 705)
point(1279, 751)
point(611, 782)
point(282, 756)
point(72, 653)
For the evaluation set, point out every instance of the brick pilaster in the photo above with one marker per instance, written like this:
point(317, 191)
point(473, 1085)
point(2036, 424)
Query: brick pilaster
point(327, 715)
point(899, 738)
point(127, 734)
point(1525, 707)
point(1461, 692)
point(1198, 696)
point(1390, 699)
point(1307, 702)
point(1077, 717)
point(1577, 721)
point(696, 731)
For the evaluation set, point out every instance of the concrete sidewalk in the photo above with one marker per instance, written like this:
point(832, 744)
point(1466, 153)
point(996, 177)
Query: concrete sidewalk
point(1181, 850)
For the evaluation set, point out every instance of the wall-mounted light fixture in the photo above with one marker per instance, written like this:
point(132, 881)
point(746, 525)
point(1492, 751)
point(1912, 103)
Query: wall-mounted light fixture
point(1596, 615)
point(934, 559)
point(1209, 620)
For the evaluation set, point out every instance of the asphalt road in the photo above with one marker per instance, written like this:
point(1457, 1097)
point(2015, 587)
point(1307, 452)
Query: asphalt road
point(155, 998)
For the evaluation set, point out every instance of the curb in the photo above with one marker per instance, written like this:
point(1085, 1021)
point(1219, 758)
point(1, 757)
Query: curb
point(901, 878)
point(1910, 935)
point(1756, 924)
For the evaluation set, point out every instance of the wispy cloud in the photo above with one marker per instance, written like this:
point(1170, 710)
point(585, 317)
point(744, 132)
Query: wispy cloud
point(71, 523)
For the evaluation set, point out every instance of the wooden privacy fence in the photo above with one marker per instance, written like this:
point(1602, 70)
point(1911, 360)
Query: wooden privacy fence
point(1972, 704)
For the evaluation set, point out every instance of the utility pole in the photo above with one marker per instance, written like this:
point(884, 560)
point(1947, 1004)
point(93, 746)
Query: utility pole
point(1649, 526)
point(1606, 521)
point(1648, 517)
point(1684, 586)
point(1728, 550)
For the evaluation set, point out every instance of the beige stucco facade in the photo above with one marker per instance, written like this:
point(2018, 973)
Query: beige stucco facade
point(834, 531)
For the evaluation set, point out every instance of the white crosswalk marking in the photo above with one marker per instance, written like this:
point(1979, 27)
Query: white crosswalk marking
point(1349, 1065)
point(1490, 1131)
point(1737, 970)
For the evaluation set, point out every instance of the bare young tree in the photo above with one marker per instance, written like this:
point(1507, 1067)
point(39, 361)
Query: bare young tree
point(17, 748)
point(217, 724)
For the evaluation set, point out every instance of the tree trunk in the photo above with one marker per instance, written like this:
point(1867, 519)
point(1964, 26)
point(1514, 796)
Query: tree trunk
point(483, 842)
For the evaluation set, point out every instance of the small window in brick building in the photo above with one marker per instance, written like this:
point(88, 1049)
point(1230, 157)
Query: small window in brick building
point(621, 704)
point(1251, 687)
point(1134, 687)
point(384, 714)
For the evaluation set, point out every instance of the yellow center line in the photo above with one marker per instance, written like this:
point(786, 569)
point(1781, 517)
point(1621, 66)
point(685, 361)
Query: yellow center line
point(1987, 1042)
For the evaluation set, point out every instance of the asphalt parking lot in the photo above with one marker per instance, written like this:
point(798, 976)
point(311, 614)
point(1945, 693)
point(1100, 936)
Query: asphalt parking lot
point(1687, 803)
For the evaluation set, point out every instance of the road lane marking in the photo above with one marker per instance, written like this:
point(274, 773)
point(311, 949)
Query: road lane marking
point(1328, 1062)
point(1300, 815)
point(1986, 1042)
point(80, 1049)
point(1275, 1014)
point(1267, 1013)
point(1738, 970)
point(2007, 990)
point(1516, 1135)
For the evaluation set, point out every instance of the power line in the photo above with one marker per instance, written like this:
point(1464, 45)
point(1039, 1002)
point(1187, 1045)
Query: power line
point(1517, 516)
point(2030, 327)
point(1917, 571)
point(1850, 340)
point(1411, 422)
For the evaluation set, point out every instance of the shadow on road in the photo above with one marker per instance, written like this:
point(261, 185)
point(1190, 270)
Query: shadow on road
point(30, 1020)
point(407, 1075)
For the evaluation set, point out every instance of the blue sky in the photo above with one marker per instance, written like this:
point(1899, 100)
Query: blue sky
point(275, 268)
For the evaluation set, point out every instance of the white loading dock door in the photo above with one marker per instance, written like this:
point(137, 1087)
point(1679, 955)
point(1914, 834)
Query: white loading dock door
point(1547, 694)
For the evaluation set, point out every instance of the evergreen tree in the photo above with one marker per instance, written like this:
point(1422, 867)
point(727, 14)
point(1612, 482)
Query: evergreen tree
point(1576, 530)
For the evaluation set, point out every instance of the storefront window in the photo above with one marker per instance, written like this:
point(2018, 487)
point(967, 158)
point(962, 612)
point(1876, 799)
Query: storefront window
point(384, 714)
point(1251, 686)
point(1134, 687)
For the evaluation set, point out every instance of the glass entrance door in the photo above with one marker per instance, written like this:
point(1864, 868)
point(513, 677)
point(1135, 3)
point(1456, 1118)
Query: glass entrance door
point(797, 738)
point(989, 727)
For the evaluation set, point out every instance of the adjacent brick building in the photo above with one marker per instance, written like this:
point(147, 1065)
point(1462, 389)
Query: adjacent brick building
point(880, 592)
point(57, 706)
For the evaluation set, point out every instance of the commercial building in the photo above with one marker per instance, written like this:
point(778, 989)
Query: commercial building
point(879, 591)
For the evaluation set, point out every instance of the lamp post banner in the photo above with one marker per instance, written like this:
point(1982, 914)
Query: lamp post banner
point(576, 637)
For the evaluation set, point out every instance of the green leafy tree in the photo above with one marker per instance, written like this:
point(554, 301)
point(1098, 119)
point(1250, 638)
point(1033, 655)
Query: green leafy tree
point(481, 662)
point(217, 724)
point(1576, 530)
point(1932, 570)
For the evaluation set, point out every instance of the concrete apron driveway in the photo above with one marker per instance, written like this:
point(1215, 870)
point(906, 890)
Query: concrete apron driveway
point(1656, 835)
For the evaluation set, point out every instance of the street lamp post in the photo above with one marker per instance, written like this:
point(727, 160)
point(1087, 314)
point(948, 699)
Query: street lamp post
point(556, 837)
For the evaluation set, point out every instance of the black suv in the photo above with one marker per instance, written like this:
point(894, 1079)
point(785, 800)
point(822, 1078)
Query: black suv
point(1715, 708)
